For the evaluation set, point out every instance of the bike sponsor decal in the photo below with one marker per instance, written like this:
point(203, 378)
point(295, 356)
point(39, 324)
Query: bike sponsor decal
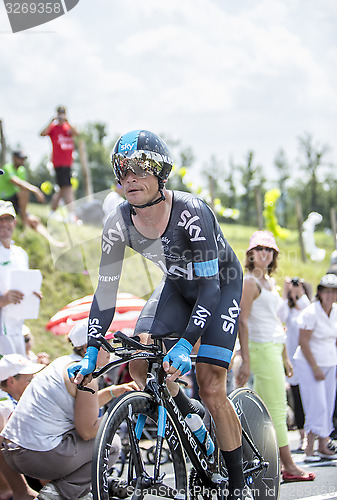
point(177, 270)
point(190, 436)
point(94, 327)
point(108, 279)
point(113, 236)
point(200, 316)
point(187, 222)
point(230, 318)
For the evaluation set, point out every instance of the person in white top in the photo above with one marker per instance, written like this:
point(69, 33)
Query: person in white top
point(262, 339)
point(11, 257)
point(295, 297)
point(60, 423)
point(16, 372)
point(316, 359)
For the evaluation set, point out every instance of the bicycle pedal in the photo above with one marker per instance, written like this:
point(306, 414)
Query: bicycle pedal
point(118, 488)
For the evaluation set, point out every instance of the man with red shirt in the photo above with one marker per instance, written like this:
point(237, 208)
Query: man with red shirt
point(61, 134)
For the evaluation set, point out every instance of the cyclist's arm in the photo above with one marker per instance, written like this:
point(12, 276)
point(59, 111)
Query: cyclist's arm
point(205, 253)
point(103, 306)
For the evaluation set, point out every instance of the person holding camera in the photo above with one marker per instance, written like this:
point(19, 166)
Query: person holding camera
point(262, 340)
point(61, 134)
point(295, 297)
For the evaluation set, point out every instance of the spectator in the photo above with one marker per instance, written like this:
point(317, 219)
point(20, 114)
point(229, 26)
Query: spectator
point(112, 200)
point(15, 188)
point(40, 357)
point(60, 424)
point(265, 351)
point(296, 296)
point(61, 134)
point(316, 359)
point(16, 372)
point(11, 257)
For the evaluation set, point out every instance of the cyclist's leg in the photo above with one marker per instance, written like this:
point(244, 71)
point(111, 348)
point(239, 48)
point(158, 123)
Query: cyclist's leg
point(214, 356)
point(164, 313)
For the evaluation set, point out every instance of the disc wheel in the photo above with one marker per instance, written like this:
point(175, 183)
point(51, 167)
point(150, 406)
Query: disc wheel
point(171, 481)
point(256, 421)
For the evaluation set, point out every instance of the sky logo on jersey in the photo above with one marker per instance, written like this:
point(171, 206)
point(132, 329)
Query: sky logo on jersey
point(187, 222)
point(200, 316)
point(230, 318)
point(31, 13)
point(128, 142)
point(113, 235)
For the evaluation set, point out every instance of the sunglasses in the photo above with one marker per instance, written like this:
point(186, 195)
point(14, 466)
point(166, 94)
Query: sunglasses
point(259, 249)
point(138, 166)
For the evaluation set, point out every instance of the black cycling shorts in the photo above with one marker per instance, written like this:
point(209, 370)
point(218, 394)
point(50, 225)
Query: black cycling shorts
point(167, 312)
point(63, 176)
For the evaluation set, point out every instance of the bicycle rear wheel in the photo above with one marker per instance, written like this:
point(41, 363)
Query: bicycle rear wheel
point(172, 481)
point(256, 421)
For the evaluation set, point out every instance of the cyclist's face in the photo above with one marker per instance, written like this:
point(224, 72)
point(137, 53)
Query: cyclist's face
point(139, 189)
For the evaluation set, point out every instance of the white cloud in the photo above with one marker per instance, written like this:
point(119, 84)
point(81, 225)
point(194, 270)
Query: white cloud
point(220, 76)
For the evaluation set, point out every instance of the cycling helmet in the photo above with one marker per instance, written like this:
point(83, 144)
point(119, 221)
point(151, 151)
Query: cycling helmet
point(142, 151)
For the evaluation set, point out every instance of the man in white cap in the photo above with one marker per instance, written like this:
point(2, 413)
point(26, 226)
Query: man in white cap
point(11, 257)
point(16, 372)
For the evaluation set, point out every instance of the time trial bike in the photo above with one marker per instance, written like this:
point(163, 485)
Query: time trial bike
point(190, 473)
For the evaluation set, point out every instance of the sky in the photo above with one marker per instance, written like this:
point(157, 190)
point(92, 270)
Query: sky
point(222, 77)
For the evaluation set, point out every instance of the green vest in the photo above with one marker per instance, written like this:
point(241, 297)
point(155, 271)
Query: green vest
point(7, 188)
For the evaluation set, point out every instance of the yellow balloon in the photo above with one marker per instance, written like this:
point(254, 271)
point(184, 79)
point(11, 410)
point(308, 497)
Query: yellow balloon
point(46, 187)
point(74, 183)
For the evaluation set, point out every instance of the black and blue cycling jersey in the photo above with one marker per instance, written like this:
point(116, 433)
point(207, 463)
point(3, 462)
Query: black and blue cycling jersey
point(200, 293)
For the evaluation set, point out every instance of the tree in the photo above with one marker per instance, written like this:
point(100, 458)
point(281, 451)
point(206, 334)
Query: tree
point(313, 159)
point(251, 180)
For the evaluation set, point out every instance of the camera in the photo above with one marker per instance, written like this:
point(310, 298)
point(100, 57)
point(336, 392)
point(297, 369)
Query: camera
point(295, 281)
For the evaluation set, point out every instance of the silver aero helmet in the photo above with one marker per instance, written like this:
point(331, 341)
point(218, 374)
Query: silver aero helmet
point(141, 150)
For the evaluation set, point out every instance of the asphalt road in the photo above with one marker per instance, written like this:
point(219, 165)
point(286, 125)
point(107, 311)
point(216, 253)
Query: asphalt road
point(324, 487)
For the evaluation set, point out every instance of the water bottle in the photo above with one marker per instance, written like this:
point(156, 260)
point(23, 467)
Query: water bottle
point(198, 428)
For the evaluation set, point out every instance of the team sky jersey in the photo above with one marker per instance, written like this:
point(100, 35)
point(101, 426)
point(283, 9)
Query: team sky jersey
point(192, 253)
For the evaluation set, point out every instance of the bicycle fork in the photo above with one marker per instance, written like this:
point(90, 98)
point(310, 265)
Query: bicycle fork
point(135, 434)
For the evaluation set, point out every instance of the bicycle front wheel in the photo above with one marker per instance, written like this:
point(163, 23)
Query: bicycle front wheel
point(256, 422)
point(132, 473)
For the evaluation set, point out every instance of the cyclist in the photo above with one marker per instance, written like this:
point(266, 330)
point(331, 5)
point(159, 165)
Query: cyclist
point(199, 295)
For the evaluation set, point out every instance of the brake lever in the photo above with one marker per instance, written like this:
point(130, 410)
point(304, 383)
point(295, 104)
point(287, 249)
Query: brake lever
point(83, 388)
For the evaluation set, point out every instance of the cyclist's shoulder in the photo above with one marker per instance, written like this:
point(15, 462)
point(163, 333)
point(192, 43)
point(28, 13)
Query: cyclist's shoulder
point(189, 201)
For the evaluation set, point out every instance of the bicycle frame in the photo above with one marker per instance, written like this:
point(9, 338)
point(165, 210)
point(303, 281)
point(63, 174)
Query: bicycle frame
point(208, 467)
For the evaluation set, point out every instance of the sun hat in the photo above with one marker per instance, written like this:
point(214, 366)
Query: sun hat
point(262, 239)
point(15, 364)
point(78, 333)
point(329, 281)
point(7, 208)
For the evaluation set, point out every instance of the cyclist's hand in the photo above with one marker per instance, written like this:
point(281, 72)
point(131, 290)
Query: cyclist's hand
point(78, 371)
point(177, 361)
